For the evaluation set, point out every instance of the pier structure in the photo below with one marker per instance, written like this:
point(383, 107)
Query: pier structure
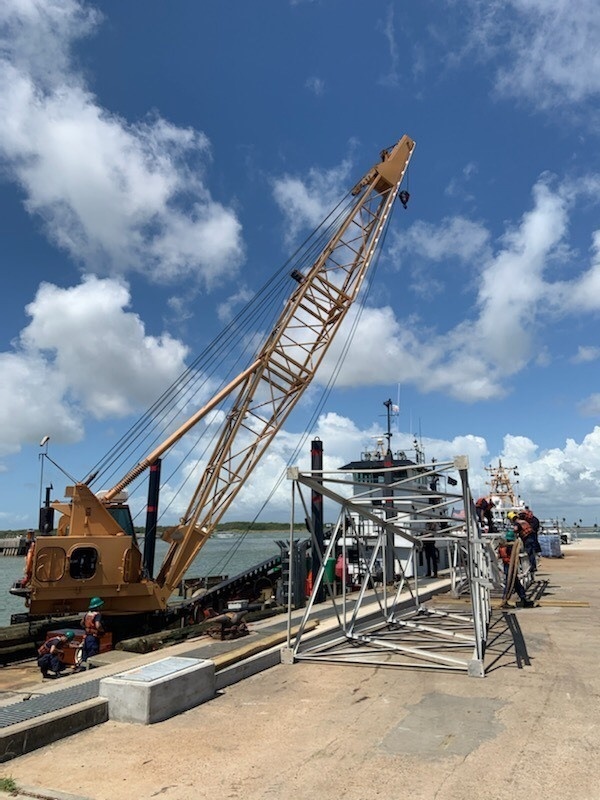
point(13, 546)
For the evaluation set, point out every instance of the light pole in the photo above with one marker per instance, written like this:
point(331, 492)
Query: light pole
point(44, 444)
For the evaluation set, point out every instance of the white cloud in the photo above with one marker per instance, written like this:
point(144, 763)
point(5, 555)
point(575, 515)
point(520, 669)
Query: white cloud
point(590, 407)
point(315, 85)
point(557, 480)
point(306, 203)
point(554, 482)
point(583, 293)
point(392, 77)
point(385, 350)
point(83, 353)
point(473, 360)
point(456, 187)
point(454, 237)
point(586, 354)
point(115, 195)
point(547, 50)
point(225, 310)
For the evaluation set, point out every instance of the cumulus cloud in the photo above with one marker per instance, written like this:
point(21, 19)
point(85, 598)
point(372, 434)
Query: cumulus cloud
point(583, 294)
point(556, 480)
point(586, 354)
point(454, 237)
point(115, 195)
point(305, 202)
point(226, 309)
point(590, 407)
point(546, 50)
point(512, 281)
point(82, 354)
point(552, 481)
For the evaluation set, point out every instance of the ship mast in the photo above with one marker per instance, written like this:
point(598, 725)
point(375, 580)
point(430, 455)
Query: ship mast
point(501, 485)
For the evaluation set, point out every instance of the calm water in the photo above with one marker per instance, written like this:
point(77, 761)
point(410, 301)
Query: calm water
point(223, 554)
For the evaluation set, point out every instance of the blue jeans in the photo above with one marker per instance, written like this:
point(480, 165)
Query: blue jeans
point(50, 661)
point(91, 647)
point(530, 549)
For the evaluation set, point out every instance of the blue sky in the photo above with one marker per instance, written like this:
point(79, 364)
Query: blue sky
point(159, 161)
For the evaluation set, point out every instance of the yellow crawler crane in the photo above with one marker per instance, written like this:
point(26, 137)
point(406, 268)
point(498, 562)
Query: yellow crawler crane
point(94, 551)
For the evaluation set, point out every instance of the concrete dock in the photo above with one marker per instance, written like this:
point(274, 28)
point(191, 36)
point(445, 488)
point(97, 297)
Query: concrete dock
point(528, 729)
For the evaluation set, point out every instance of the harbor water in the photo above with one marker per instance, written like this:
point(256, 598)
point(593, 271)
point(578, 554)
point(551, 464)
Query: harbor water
point(225, 554)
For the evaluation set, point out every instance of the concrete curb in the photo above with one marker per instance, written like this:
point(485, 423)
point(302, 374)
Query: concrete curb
point(30, 735)
point(245, 669)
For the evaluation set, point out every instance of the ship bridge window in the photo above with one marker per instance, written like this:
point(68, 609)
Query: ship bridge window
point(83, 562)
point(399, 476)
point(369, 477)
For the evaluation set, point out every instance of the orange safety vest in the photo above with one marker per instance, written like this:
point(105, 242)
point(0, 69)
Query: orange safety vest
point(29, 563)
point(504, 552)
point(47, 646)
point(524, 528)
point(89, 624)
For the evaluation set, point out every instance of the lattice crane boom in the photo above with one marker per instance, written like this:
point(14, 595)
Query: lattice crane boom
point(288, 360)
point(94, 551)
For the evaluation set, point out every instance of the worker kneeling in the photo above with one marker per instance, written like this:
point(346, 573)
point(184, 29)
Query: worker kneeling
point(50, 654)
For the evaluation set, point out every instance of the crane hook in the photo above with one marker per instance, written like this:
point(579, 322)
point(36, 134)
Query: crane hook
point(404, 197)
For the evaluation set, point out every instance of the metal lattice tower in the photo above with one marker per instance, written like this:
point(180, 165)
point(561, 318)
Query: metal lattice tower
point(388, 621)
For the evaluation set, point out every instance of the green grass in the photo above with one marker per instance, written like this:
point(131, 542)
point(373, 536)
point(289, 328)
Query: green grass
point(8, 785)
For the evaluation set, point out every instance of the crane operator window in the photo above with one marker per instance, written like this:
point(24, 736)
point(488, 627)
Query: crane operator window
point(83, 562)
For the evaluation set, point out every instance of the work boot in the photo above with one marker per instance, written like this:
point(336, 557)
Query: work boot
point(505, 604)
point(527, 603)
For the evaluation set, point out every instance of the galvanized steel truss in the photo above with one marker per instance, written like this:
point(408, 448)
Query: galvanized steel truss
point(388, 621)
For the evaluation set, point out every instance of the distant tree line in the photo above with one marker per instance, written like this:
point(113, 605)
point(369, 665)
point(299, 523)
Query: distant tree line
point(256, 527)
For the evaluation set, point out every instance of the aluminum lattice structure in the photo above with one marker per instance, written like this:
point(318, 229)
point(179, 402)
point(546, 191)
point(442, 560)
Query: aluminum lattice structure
point(389, 620)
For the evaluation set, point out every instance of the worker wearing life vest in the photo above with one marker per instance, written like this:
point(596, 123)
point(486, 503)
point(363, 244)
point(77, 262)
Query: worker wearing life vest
point(29, 563)
point(92, 624)
point(504, 552)
point(483, 507)
point(535, 526)
point(50, 654)
point(523, 529)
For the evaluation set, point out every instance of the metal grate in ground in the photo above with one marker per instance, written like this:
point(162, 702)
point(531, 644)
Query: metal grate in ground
point(46, 703)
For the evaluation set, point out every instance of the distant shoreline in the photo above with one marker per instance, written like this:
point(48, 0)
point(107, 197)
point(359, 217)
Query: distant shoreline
point(223, 527)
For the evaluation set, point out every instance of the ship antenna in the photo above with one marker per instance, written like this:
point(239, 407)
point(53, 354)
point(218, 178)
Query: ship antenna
point(388, 434)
